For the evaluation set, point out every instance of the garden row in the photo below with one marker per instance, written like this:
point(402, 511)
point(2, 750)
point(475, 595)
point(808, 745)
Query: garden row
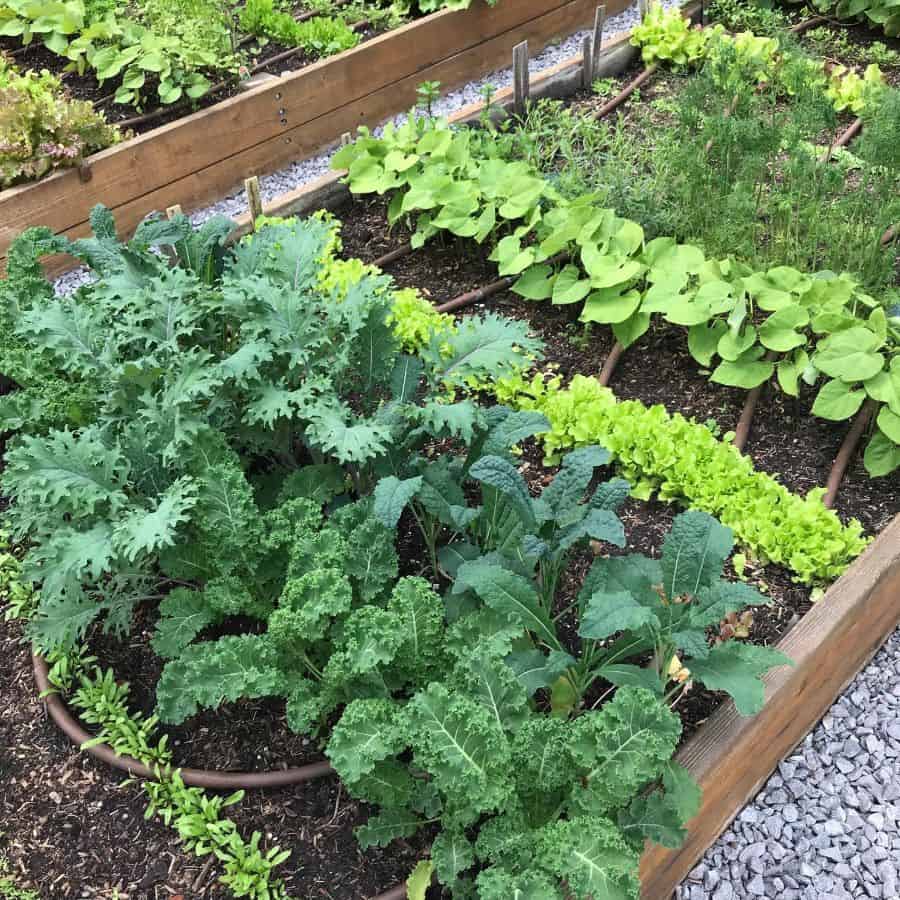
point(276, 461)
point(196, 159)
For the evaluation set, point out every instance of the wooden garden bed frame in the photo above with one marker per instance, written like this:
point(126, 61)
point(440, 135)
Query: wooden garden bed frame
point(202, 157)
point(730, 756)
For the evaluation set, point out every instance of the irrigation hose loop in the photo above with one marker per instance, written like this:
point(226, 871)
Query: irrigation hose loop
point(609, 366)
point(626, 92)
point(848, 448)
point(202, 778)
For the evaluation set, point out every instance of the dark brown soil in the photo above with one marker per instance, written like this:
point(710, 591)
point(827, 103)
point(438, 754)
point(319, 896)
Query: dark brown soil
point(69, 830)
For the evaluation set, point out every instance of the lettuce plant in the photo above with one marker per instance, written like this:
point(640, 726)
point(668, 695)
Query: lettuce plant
point(42, 129)
point(684, 461)
point(665, 35)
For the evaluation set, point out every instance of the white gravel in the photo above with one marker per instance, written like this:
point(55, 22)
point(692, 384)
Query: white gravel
point(825, 827)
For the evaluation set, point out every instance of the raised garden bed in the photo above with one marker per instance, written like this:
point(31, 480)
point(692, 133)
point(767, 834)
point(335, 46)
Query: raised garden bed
point(197, 159)
point(730, 756)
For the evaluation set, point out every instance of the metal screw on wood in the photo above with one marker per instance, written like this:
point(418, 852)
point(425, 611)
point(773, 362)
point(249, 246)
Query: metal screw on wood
point(521, 79)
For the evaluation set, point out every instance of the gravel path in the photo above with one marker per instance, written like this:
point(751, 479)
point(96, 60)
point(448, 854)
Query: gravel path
point(825, 827)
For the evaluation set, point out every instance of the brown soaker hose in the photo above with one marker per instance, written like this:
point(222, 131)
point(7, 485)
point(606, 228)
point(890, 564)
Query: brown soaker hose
point(609, 366)
point(742, 431)
point(489, 290)
point(844, 138)
point(220, 781)
point(806, 24)
point(848, 448)
point(626, 92)
point(393, 256)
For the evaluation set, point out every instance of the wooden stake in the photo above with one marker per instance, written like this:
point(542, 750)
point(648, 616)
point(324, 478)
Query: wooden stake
point(254, 200)
point(643, 9)
point(173, 211)
point(521, 81)
point(587, 63)
point(597, 41)
point(346, 138)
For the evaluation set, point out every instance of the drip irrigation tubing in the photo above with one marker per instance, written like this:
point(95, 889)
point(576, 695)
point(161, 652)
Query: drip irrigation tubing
point(745, 422)
point(388, 258)
point(202, 778)
point(845, 454)
point(490, 290)
point(844, 138)
point(806, 24)
point(626, 92)
point(609, 365)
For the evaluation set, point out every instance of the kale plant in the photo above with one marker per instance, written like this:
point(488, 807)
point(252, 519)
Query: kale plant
point(207, 385)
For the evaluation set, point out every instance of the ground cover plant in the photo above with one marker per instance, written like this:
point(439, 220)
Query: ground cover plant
point(744, 323)
point(234, 438)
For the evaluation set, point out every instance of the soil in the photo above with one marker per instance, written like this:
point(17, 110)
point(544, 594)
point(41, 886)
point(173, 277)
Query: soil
point(69, 830)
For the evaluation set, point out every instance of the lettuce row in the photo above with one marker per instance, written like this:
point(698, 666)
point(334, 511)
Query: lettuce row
point(685, 461)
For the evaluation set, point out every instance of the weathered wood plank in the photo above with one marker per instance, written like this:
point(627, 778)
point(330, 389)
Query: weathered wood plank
point(271, 116)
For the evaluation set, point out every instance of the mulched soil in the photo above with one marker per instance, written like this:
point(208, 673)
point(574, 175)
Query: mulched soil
point(70, 831)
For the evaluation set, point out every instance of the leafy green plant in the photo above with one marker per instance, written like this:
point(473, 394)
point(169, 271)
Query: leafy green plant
point(533, 787)
point(848, 90)
point(665, 35)
point(570, 252)
point(319, 36)
point(42, 129)
point(201, 380)
point(684, 461)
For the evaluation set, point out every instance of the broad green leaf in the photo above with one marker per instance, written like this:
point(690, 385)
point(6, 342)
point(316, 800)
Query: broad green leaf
point(850, 355)
point(511, 595)
point(610, 306)
point(737, 668)
point(392, 496)
point(882, 455)
point(569, 286)
point(693, 554)
point(836, 401)
point(607, 614)
point(747, 372)
point(889, 423)
point(537, 670)
point(781, 331)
